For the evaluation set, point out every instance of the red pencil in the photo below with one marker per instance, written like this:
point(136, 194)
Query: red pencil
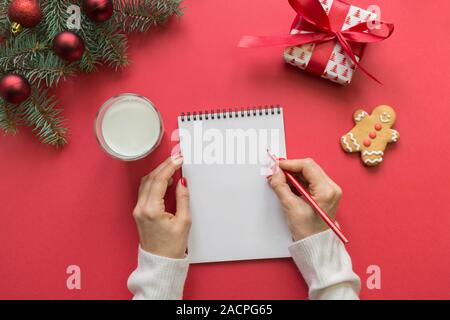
point(313, 203)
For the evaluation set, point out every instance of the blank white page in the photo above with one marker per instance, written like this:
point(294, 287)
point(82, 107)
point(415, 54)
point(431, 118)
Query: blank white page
point(235, 213)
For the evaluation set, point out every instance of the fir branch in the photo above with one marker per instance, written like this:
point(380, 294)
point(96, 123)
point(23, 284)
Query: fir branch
point(30, 54)
point(140, 15)
point(35, 60)
point(4, 5)
point(20, 52)
point(48, 69)
point(112, 45)
point(9, 117)
point(4, 20)
point(103, 44)
point(39, 112)
point(55, 17)
point(91, 57)
point(89, 61)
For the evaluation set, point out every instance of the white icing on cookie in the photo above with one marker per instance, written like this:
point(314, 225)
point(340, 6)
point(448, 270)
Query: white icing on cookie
point(358, 147)
point(385, 117)
point(373, 161)
point(394, 136)
point(371, 153)
point(347, 145)
point(361, 116)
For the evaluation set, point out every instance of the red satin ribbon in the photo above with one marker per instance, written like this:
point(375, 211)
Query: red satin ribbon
point(325, 28)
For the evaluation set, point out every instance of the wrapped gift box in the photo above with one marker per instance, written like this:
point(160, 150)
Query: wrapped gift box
point(340, 68)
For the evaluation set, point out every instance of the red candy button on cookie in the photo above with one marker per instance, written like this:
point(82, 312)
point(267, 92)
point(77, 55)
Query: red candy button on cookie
point(367, 142)
point(373, 135)
point(378, 126)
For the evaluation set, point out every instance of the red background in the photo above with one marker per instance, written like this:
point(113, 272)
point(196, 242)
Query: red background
point(73, 206)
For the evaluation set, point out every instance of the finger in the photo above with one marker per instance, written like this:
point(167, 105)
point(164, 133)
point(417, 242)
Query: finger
point(300, 180)
point(142, 186)
point(299, 177)
point(324, 173)
point(146, 181)
point(160, 180)
point(284, 193)
point(182, 197)
point(310, 170)
point(162, 166)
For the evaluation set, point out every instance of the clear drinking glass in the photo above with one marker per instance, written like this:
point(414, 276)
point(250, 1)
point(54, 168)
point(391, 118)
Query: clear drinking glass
point(128, 127)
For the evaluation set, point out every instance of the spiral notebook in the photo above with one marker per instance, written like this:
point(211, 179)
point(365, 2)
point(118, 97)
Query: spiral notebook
point(235, 213)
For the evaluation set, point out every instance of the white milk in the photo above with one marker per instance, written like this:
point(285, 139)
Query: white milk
point(131, 127)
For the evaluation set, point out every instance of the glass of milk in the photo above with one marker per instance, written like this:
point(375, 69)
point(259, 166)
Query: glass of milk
point(128, 127)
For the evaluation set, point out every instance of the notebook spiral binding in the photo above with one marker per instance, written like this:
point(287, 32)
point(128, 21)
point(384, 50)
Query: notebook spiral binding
point(231, 113)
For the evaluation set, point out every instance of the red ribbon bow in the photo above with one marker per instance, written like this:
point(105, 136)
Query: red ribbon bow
point(325, 28)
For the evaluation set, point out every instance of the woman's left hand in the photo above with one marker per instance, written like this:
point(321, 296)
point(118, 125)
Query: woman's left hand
point(160, 232)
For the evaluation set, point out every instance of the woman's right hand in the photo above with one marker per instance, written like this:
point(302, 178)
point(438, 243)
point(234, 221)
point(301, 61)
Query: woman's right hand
point(302, 219)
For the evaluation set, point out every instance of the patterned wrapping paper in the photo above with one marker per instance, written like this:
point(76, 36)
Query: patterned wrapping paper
point(340, 67)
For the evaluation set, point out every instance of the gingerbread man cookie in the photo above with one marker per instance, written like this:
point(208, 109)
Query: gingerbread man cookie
point(371, 134)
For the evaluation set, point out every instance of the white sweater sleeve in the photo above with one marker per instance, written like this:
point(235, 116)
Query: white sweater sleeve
point(321, 258)
point(326, 267)
point(158, 278)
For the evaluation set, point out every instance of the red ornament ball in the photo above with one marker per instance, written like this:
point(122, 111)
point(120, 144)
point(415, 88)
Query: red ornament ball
point(14, 88)
point(68, 46)
point(25, 12)
point(98, 10)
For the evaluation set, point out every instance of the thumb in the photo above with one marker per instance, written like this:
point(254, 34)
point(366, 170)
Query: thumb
point(284, 193)
point(182, 197)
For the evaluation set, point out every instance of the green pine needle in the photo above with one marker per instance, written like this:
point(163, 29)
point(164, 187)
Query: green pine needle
point(48, 69)
point(17, 52)
point(112, 46)
point(92, 57)
point(9, 118)
point(40, 113)
point(55, 17)
point(140, 15)
point(4, 21)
